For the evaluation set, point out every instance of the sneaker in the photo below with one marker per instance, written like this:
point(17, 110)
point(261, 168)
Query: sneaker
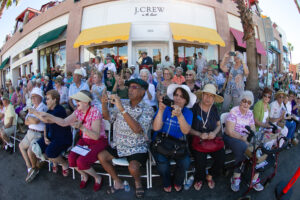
point(258, 186)
point(32, 174)
point(235, 184)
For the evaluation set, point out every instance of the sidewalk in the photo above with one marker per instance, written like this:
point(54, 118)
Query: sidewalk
point(56, 187)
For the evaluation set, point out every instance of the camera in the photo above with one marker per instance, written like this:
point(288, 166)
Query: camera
point(167, 101)
point(232, 53)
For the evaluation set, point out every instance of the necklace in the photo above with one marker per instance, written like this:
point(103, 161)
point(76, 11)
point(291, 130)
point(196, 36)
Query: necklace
point(207, 116)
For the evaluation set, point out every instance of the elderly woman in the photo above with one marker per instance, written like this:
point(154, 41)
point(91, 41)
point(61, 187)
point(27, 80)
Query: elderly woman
point(236, 139)
point(209, 78)
point(162, 86)
point(262, 110)
point(18, 100)
point(120, 88)
point(237, 70)
point(97, 90)
point(149, 97)
point(205, 127)
point(175, 121)
point(190, 78)
point(88, 120)
point(178, 78)
point(63, 92)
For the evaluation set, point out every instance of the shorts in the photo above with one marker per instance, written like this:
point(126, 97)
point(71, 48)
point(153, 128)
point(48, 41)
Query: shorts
point(54, 149)
point(29, 138)
point(140, 157)
point(9, 131)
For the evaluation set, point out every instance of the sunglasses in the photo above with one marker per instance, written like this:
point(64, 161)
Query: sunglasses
point(267, 96)
point(281, 97)
point(247, 101)
point(189, 74)
point(134, 87)
point(108, 73)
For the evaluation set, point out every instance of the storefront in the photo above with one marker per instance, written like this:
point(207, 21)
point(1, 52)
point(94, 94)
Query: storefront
point(274, 55)
point(153, 27)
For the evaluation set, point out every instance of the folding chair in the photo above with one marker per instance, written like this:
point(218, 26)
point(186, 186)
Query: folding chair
point(14, 137)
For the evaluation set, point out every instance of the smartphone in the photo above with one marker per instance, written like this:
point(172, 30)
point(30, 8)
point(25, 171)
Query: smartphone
point(232, 53)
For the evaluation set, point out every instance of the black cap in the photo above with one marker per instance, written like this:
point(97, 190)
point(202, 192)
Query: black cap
point(138, 81)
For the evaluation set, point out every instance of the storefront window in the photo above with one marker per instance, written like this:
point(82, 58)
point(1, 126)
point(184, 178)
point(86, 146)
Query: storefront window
point(184, 52)
point(118, 51)
point(273, 59)
point(52, 56)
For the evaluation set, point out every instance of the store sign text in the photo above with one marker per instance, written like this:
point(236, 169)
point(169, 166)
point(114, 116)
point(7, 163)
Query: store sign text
point(149, 10)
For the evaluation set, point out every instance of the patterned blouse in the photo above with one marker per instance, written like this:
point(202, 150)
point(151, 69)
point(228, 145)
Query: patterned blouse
point(240, 120)
point(97, 91)
point(93, 115)
point(124, 139)
point(235, 85)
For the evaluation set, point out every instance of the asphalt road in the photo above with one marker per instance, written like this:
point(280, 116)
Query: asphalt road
point(54, 186)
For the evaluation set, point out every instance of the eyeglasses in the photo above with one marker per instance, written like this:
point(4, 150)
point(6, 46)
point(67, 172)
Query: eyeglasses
point(134, 87)
point(108, 73)
point(267, 96)
point(189, 74)
point(247, 101)
point(281, 97)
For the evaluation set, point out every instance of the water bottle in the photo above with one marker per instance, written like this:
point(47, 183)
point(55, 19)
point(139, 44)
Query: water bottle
point(189, 182)
point(126, 186)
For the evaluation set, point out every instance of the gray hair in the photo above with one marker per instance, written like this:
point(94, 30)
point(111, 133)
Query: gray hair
point(145, 71)
point(179, 68)
point(247, 94)
point(240, 56)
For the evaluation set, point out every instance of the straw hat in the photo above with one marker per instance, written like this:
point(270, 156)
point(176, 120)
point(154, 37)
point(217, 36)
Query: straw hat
point(81, 96)
point(211, 89)
point(279, 93)
point(173, 87)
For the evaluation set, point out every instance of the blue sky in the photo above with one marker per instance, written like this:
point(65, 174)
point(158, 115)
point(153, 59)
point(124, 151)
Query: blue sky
point(283, 12)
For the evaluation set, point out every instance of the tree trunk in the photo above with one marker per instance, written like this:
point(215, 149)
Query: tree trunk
point(3, 4)
point(249, 37)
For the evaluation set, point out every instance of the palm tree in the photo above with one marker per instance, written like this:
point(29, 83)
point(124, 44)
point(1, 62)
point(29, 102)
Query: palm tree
point(291, 48)
point(7, 4)
point(249, 37)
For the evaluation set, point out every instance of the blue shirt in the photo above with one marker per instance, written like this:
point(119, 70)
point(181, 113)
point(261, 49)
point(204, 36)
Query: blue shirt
point(58, 133)
point(175, 130)
point(74, 89)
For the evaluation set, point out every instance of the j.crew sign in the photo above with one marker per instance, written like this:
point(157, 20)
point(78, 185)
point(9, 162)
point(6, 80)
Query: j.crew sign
point(149, 10)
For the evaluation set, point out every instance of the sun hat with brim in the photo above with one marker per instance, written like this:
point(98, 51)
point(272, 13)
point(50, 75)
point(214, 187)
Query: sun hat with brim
point(211, 89)
point(138, 81)
point(37, 91)
point(78, 72)
point(5, 97)
point(279, 93)
point(80, 96)
point(173, 87)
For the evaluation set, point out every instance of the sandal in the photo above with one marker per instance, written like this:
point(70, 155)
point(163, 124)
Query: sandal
point(139, 192)
point(65, 172)
point(168, 189)
point(54, 169)
point(178, 188)
point(211, 183)
point(198, 185)
point(113, 190)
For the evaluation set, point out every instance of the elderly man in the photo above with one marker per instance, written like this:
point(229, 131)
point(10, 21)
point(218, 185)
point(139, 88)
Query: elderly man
point(167, 62)
point(9, 123)
point(78, 66)
point(35, 131)
point(76, 86)
point(133, 120)
point(200, 62)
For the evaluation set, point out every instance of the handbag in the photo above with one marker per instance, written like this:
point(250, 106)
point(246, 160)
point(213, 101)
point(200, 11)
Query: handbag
point(169, 146)
point(207, 146)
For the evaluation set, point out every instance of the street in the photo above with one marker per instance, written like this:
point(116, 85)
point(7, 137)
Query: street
point(55, 187)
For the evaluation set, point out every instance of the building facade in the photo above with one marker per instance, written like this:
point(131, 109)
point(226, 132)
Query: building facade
point(78, 31)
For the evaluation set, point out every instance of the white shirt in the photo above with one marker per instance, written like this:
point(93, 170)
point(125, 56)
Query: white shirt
point(200, 63)
point(288, 108)
point(150, 102)
point(276, 109)
point(100, 66)
point(111, 66)
point(40, 126)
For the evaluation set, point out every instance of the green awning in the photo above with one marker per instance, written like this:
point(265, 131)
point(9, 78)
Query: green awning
point(4, 63)
point(48, 37)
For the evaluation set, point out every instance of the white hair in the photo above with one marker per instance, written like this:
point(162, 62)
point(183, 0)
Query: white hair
point(247, 94)
point(145, 71)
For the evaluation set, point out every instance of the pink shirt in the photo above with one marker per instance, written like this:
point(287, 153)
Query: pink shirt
point(93, 115)
point(240, 120)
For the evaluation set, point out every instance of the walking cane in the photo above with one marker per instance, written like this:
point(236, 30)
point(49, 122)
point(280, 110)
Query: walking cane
point(283, 191)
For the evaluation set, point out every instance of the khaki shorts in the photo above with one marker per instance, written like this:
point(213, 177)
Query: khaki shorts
point(29, 138)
